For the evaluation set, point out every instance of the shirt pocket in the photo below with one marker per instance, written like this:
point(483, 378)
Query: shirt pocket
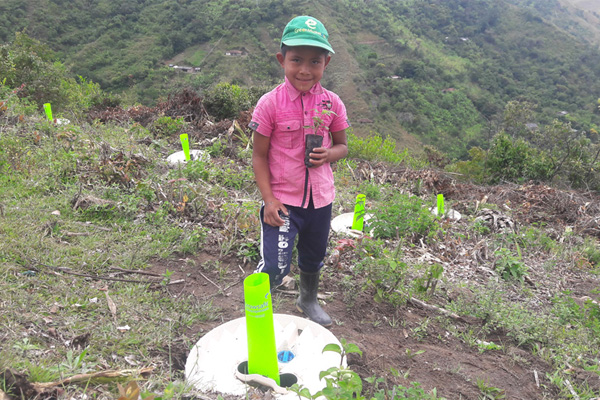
point(289, 134)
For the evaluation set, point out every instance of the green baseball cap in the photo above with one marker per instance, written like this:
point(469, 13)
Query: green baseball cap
point(306, 31)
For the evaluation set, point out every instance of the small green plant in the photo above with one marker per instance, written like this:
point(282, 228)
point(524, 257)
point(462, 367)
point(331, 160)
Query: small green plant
point(402, 216)
point(420, 331)
point(74, 364)
point(485, 346)
point(412, 354)
point(318, 122)
point(591, 251)
point(341, 382)
point(489, 392)
point(166, 277)
point(481, 227)
point(25, 345)
point(167, 126)
point(429, 281)
point(509, 266)
point(344, 384)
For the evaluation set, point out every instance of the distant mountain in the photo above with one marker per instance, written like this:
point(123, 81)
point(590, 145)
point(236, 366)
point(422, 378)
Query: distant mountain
point(588, 5)
point(430, 71)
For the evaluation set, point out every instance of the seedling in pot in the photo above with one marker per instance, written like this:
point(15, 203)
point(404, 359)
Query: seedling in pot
point(314, 140)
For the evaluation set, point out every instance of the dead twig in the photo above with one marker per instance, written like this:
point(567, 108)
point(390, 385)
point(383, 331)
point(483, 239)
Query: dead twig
point(422, 304)
point(98, 377)
point(570, 387)
point(101, 278)
point(71, 234)
point(136, 271)
point(217, 286)
point(100, 228)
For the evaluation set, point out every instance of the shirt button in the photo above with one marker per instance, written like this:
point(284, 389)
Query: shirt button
point(306, 112)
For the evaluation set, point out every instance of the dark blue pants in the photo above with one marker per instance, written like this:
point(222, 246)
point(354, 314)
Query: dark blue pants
point(311, 225)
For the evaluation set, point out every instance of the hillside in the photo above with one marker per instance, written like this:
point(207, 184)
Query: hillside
point(434, 72)
point(113, 263)
point(588, 5)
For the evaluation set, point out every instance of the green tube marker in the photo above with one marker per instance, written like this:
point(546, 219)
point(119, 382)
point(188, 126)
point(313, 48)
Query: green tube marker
point(186, 145)
point(48, 109)
point(262, 353)
point(440, 205)
point(359, 213)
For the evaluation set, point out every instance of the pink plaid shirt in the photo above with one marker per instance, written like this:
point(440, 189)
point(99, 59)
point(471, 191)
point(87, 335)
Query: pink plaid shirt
point(282, 115)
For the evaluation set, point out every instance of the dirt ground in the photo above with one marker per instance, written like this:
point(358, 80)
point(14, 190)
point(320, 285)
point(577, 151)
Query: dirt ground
point(411, 342)
point(388, 337)
point(410, 339)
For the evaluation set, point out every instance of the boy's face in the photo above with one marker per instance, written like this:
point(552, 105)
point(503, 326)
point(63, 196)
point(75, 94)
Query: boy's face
point(303, 66)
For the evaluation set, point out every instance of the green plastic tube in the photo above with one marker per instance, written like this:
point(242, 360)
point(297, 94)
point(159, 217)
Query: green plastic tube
point(262, 353)
point(185, 144)
point(440, 205)
point(48, 110)
point(359, 213)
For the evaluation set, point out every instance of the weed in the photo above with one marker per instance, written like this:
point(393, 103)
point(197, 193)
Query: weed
point(420, 331)
point(489, 392)
point(167, 126)
point(370, 190)
point(481, 227)
point(402, 216)
point(376, 148)
point(412, 354)
point(509, 266)
point(166, 277)
point(429, 281)
point(25, 345)
point(74, 364)
point(591, 250)
point(485, 346)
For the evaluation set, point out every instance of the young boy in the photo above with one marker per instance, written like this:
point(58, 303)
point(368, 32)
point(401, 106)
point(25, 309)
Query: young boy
point(297, 197)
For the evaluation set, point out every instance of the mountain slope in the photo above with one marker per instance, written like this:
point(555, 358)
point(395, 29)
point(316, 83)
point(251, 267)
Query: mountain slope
point(439, 71)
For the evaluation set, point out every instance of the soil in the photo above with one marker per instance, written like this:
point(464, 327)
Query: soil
point(410, 342)
point(408, 339)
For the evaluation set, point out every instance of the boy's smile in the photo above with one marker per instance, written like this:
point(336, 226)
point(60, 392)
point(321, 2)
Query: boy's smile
point(303, 66)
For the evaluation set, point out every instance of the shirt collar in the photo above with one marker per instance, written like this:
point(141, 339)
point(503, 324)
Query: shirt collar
point(295, 93)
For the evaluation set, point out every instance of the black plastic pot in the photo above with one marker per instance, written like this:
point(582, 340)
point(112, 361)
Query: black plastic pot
point(311, 142)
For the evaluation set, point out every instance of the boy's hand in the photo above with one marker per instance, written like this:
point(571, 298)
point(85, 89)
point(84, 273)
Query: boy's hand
point(272, 210)
point(318, 156)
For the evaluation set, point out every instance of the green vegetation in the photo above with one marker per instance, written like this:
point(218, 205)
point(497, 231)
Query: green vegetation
point(80, 200)
point(344, 383)
point(443, 71)
point(30, 68)
point(226, 101)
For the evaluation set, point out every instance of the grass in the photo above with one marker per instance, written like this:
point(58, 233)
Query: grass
point(86, 198)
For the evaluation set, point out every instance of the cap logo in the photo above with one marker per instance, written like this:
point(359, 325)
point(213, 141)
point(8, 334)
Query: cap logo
point(311, 23)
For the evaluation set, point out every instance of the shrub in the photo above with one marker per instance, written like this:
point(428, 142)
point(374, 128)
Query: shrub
point(474, 169)
point(167, 126)
point(509, 266)
point(374, 148)
point(227, 100)
point(402, 216)
point(29, 66)
point(516, 161)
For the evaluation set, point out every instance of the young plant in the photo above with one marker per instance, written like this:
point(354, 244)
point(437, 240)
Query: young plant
point(509, 266)
point(490, 392)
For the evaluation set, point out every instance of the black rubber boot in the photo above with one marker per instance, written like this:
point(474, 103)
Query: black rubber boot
point(308, 303)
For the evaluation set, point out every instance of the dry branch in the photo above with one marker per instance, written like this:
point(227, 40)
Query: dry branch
point(98, 377)
point(422, 304)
